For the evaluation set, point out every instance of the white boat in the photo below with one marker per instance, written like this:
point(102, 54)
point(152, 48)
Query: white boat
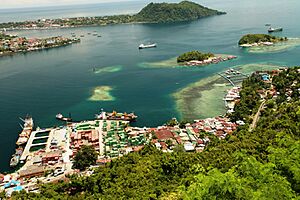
point(145, 46)
point(271, 30)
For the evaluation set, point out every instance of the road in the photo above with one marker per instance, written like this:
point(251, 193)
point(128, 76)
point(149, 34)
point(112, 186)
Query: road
point(256, 117)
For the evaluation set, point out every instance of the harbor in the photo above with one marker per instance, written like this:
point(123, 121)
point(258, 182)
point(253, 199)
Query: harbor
point(49, 152)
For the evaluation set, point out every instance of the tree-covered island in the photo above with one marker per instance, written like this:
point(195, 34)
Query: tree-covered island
point(250, 40)
point(197, 58)
point(10, 44)
point(152, 13)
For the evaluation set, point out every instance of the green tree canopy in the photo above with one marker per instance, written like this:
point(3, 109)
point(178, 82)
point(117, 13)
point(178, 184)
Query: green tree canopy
point(85, 157)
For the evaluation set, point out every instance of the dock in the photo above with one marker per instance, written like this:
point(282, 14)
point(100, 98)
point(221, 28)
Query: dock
point(234, 77)
point(30, 144)
point(227, 79)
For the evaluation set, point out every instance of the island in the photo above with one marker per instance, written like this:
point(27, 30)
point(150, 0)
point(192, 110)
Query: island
point(197, 58)
point(152, 13)
point(10, 44)
point(251, 40)
point(174, 12)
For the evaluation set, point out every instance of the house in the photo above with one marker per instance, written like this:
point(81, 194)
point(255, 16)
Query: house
point(32, 171)
point(51, 157)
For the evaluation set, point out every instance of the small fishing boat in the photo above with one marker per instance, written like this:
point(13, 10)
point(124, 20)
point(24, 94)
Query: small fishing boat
point(145, 46)
point(271, 30)
point(59, 116)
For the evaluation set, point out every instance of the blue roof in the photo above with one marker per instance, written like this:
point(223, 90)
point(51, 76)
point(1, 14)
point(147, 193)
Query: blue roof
point(265, 77)
point(12, 182)
point(18, 188)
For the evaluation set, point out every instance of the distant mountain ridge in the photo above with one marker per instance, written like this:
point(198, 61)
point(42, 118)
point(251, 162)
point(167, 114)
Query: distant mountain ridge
point(174, 12)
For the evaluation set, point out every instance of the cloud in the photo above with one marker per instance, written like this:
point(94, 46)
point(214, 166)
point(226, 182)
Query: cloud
point(36, 3)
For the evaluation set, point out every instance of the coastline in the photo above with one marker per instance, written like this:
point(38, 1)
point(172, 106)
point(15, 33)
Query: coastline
point(2, 54)
point(172, 63)
point(204, 98)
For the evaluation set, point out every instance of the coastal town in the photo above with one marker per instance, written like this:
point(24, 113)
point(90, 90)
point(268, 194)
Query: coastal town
point(46, 155)
point(11, 44)
point(44, 24)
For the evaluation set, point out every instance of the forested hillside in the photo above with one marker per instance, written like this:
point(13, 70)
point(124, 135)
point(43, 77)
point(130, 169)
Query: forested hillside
point(173, 12)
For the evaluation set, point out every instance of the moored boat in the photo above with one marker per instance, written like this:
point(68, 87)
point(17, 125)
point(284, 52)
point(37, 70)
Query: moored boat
point(27, 129)
point(116, 116)
point(16, 157)
point(59, 116)
point(14, 160)
point(271, 30)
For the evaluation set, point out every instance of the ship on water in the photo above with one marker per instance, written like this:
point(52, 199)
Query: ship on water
point(271, 30)
point(27, 129)
point(60, 116)
point(146, 46)
point(116, 116)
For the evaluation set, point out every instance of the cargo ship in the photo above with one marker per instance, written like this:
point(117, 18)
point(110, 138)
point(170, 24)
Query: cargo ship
point(116, 116)
point(146, 46)
point(27, 129)
point(59, 116)
point(271, 30)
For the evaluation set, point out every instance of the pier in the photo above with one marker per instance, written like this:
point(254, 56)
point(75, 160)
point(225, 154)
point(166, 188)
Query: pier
point(33, 137)
point(227, 79)
point(234, 77)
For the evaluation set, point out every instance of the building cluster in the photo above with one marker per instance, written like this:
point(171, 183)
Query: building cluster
point(194, 137)
point(231, 98)
point(256, 44)
point(13, 44)
point(48, 154)
point(110, 138)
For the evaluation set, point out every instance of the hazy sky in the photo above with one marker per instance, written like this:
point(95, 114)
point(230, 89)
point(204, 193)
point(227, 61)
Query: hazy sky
point(34, 3)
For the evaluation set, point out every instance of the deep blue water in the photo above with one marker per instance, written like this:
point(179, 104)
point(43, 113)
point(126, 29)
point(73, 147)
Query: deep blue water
point(61, 80)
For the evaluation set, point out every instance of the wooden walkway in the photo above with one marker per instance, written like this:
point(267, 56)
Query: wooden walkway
point(227, 79)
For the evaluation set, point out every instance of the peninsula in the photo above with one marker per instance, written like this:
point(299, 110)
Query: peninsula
point(10, 44)
point(152, 13)
point(197, 58)
point(251, 40)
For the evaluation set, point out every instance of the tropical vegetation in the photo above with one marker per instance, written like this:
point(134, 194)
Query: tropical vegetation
point(257, 38)
point(193, 55)
point(85, 157)
point(152, 13)
point(173, 12)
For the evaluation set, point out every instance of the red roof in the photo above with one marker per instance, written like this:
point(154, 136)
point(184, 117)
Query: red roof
point(163, 134)
point(200, 141)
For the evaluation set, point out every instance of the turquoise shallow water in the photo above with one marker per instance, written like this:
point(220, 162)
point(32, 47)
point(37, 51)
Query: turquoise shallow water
point(61, 80)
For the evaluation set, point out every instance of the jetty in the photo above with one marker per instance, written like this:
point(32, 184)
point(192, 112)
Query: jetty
point(45, 134)
point(233, 76)
point(232, 83)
